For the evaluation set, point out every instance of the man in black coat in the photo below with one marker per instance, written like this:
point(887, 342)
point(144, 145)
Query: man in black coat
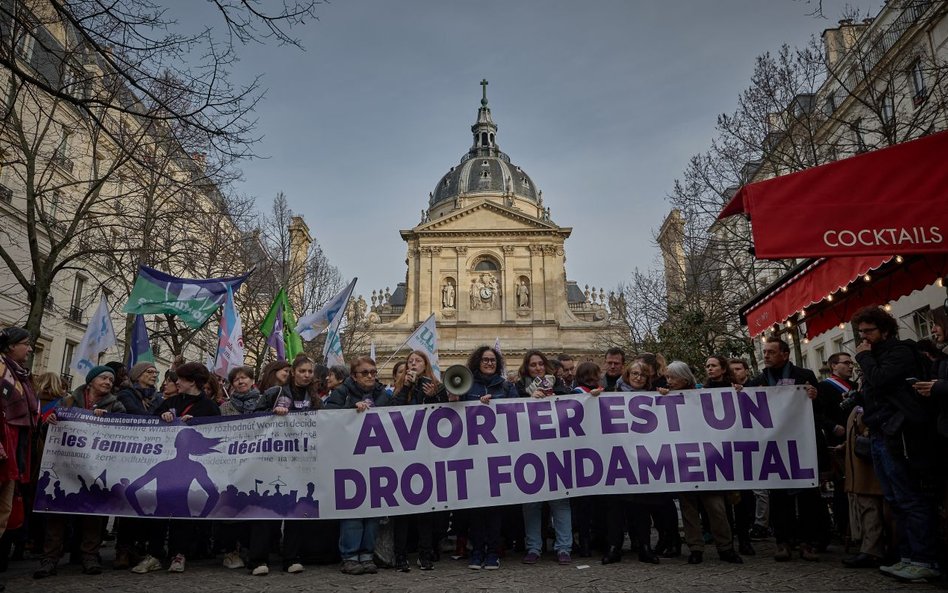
point(903, 438)
point(813, 514)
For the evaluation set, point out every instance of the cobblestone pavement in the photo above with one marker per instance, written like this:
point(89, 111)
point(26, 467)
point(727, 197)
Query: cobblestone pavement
point(586, 575)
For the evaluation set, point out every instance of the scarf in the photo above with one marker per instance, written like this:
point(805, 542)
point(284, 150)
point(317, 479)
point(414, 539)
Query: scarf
point(245, 403)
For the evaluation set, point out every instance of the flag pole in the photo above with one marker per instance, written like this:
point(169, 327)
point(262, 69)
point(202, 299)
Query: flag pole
point(397, 350)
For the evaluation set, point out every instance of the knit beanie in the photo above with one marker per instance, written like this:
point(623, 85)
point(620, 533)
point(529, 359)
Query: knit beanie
point(139, 369)
point(96, 371)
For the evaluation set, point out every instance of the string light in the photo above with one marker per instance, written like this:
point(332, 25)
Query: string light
point(802, 313)
point(867, 277)
point(899, 259)
point(842, 326)
point(806, 340)
point(887, 307)
point(940, 283)
point(829, 298)
point(844, 289)
point(789, 324)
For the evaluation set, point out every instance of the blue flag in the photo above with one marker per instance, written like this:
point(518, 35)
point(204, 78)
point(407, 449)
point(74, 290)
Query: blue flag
point(140, 346)
point(192, 300)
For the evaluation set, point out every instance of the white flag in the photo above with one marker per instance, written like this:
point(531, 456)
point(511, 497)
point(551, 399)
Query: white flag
point(310, 326)
point(332, 349)
point(425, 339)
point(230, 339)
point(99, 337)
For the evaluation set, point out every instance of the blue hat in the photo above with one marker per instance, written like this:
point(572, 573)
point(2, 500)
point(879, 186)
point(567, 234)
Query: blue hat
point(96, 371)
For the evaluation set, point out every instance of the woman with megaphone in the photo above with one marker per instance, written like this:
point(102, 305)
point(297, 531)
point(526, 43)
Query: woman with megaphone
point(488, 384)
point(417, 385)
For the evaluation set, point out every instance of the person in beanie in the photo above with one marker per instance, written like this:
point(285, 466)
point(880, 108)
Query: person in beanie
point(20, 416)
point(134, 536)
point(96, 396)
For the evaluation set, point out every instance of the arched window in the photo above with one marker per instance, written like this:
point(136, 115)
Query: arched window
point(485, 265)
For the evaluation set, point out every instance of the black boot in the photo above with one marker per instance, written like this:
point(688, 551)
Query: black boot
point(696, 558)
point(613, 555)
point(647, 555)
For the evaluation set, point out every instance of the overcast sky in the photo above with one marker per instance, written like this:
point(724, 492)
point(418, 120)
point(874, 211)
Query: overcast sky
point(600, 102)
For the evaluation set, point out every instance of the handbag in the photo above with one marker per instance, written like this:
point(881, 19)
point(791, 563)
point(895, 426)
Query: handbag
point(862, 447)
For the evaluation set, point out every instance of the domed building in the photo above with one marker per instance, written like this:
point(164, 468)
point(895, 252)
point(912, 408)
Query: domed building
point(489, 261)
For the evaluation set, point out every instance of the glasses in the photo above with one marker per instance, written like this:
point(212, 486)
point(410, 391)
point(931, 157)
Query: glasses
point(150, 372)
point(368, 373)
point(637, 374)
point(866, 330)
point(488, 361)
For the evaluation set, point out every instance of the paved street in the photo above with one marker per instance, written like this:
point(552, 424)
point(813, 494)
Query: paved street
point(760, 573)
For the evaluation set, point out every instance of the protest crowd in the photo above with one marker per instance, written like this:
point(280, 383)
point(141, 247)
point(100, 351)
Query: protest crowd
point(881, 419)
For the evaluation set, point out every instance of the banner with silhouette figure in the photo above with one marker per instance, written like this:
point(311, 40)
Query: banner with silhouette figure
point(259, 466)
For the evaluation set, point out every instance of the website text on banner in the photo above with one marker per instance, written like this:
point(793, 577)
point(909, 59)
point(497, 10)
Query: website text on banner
point(259, 466)
point(399, 460)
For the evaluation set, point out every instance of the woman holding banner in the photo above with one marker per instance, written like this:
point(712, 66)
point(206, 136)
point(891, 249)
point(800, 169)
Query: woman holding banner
point(538, 381)
point(191, 401)
point(637, 510)
point(361, 391)
point(680, 378)
point(299, 394)
point(275, 374)
point(485, 365)
point(417, 385)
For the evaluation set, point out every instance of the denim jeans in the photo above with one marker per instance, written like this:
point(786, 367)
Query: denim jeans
point(914, 512)
point(357, 539)
point(562, 525)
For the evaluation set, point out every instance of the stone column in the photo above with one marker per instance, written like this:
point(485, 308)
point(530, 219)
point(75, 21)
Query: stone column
point(414, 285)
point(537, 282)
point(549, 277)
point(509, 284)
point(464, 286)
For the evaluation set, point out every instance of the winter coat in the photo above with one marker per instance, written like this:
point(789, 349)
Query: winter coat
point(189, 405)
point(523, 384)
point(138, 400)
point(248, 401)
point(109, 402)
point(495, 385)
point(860, 477)
point(350, 393)
point(414, 393)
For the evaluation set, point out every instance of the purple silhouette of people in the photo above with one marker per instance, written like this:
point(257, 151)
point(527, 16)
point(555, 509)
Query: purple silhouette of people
point(173, 478)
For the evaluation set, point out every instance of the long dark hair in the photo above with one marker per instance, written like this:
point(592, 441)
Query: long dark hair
point(474, 360)
point(268, 374)
point(727, 376)
point(524, 370)
point(311, 390)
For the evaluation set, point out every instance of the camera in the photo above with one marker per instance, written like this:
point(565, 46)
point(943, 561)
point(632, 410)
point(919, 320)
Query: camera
point(851, 399)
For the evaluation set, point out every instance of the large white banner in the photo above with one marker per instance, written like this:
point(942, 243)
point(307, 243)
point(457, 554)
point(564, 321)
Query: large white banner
point(408, 459)
point(250, 467)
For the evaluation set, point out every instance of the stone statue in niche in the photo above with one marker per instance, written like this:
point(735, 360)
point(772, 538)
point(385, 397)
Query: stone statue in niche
point(448, 295)
point(485, 294)
point(523, 294)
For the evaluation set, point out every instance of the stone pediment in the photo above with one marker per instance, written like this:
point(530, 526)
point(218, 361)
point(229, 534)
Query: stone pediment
point(485, 216)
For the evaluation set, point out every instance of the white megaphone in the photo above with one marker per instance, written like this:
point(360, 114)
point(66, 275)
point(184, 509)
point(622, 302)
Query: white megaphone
point(458, 379)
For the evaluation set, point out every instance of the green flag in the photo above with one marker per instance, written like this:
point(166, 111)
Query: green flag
point(192, 300)
point(279, 328)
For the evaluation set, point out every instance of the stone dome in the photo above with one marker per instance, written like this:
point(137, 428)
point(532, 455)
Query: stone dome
point(485, 168)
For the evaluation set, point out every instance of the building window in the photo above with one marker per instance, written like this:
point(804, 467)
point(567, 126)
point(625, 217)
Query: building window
point(922, 322)
point(838, 344)
point(485, 266)
point(858, 138)
point(75, 310)
point(888, 107)
point(25, 46)
point(821, 355)
point(68, 353)
point(918, 83)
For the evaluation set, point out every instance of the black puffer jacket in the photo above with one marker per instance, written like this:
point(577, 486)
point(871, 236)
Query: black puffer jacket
point(350, 393)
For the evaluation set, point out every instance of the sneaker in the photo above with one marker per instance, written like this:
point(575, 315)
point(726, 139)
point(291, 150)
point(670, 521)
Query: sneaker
point(46, 569)
point(531, 558)
point(563, 558)
point(914, 573)
point(477, 561)
point(122, 560)
point(352, 567)
point(148, 564)
point(261, 571)
point(809, 553)
point(891, 569)
point(492, 562)
point(232, 560)
point(401, 563)
point(759, 532)
point(91, 565)
point(424, 561)
point(177, 564)
point(295, 568)
point(369, 567)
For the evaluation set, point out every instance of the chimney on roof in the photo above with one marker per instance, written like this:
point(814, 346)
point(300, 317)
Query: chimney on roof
point(837, 42)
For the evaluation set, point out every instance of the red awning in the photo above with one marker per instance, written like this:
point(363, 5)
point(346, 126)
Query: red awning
point(892, 283)
point(893, 200)
point(810, 286)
